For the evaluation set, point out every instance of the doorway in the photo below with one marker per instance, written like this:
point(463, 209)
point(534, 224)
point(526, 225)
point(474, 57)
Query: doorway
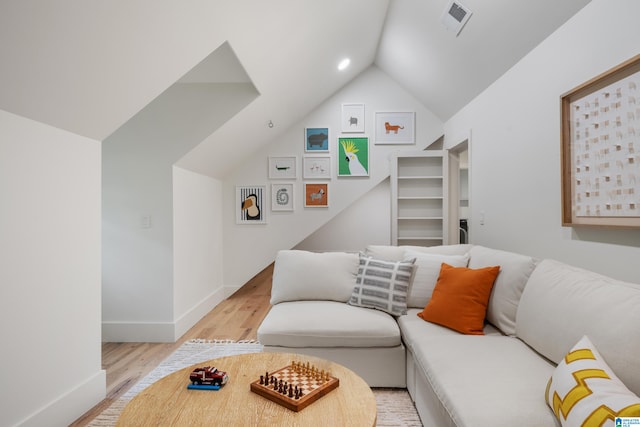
point(459, 185)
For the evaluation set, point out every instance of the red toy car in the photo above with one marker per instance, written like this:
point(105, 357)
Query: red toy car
point(208, 375)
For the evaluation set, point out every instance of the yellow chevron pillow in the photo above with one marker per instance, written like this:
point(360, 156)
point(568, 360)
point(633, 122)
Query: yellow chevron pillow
point(584, 391)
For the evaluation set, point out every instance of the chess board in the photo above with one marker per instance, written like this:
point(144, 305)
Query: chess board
point(308, 381)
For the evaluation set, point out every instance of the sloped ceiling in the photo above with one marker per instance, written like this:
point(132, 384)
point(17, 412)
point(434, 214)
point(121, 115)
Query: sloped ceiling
point(88, 66)
point(445, 71)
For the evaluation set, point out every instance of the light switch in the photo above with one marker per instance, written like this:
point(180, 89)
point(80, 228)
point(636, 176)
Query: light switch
point(145, 221)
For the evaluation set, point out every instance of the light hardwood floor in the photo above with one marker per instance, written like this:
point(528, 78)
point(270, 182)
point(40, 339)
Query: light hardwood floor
point(236, 318)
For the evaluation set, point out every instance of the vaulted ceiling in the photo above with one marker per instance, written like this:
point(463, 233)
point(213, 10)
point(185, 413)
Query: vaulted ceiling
point(89, 66)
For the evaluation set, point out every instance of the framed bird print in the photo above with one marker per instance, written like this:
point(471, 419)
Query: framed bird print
point(353, 156)
point(251, 204)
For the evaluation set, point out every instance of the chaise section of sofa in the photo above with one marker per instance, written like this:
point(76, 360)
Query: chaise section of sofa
point(310, 315)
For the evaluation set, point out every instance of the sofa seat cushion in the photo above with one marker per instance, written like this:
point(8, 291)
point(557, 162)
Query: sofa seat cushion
point(415, 330)
point(327, 324)
point(486, 381)
point(562, 303)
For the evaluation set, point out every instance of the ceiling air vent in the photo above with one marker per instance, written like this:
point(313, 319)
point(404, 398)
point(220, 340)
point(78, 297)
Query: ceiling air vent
point(455, 16)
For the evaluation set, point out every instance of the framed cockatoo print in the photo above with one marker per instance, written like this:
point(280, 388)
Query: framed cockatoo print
point(251, 204)
point(353, 156)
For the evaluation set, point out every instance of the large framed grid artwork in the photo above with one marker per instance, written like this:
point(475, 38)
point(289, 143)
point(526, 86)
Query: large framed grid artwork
point(601, 149)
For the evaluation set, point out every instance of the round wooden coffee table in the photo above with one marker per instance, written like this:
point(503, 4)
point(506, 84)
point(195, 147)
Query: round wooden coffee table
point(168, 402)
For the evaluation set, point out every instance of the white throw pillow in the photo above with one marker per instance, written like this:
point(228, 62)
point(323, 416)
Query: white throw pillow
point(302, 275)
point(382, 285)
point(584, 391)
point(426, 274)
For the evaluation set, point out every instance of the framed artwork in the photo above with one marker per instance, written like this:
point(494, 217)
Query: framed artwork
point(316, 194)
point(282, 197)
point(353, 156)
point(316, 167)
point(352, 118)
point(316, 140)
point(395, 128)
point(250, 204)
point(601, 149)
point(283, 167)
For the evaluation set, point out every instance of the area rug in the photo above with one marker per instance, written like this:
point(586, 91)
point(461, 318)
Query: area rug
point(395, 407)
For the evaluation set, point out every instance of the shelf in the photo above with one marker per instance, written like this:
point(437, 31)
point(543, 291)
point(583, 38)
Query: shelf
point(407, 218)
point(419, 198)
point(421, 177)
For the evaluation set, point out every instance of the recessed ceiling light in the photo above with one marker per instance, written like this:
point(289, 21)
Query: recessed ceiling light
point(344, 64)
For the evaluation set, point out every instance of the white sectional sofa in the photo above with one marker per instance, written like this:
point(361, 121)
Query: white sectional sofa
point(543, 319)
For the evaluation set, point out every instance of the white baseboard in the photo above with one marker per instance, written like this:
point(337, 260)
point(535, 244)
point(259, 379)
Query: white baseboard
point(71, 405)
point(230, 290)
point(138, 332)
point(197, 312)
point(161, 331)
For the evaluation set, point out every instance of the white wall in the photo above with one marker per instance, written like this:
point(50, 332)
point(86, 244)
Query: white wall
point(365, 222)
point(50, 275)
point(250, 248)
point(515, 144)
point(197, 247)
point(138, 270)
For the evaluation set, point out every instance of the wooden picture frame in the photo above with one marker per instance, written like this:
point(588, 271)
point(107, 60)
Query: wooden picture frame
point(395, 128)
point(600, 153)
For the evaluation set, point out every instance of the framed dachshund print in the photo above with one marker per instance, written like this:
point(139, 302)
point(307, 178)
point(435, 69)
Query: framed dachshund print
point(283, 167)
point(395, 128)
point(316, 194)
point(601, 149)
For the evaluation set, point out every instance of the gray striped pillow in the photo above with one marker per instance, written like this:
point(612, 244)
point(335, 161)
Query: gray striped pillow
point(383, 285)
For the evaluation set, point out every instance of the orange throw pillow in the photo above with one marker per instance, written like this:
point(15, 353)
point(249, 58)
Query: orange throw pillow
point(460, 298)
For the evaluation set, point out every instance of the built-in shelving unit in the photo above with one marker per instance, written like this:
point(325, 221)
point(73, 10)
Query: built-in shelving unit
point(419, 198)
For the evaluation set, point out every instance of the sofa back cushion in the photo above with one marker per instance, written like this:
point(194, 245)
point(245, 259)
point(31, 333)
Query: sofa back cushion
point(427, 270)
point(515, 270)
point(397, 253)
point(301, 275)
point(562, 303)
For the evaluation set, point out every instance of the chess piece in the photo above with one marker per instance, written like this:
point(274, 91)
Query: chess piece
point(261, 379)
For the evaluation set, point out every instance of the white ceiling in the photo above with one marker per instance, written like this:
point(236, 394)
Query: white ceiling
point(445, 72)
point(88, 66)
